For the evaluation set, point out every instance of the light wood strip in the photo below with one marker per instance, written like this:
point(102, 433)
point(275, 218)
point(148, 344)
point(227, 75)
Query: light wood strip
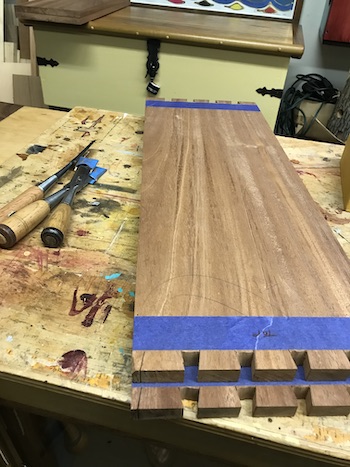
point(326, 365)
point(279, 401)
point(273, 365)
point(218, 365)
point(151, 403)
point(248, 34)
point(218, 401)
point(328, 400)
point(345, 175)
point(157, 366)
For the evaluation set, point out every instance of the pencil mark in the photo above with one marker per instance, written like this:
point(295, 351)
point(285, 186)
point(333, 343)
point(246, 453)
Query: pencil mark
point(263, 333)
point(210, 300)
point(232, 284)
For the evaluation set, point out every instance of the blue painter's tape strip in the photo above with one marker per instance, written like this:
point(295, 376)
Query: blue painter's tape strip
point(245, 379)
point(240, 333)
point(202, 105)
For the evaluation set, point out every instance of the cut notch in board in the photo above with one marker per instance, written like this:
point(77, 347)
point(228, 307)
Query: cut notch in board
point(273, 365)
point(326, 365)
point(326, 400)
point(218, 365)
point(274, 401)
point(218, 402)
point(153, 366)
point(225, 401)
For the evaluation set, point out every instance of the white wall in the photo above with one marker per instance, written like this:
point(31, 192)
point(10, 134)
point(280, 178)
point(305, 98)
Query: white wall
point(330, 61)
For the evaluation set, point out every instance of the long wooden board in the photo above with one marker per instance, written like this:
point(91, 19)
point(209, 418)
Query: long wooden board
point(69, 12)
point(234, 255)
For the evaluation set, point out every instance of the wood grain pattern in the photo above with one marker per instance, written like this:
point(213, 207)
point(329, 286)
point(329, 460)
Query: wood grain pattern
point(278, 401)
point(218, 401)
point(227, 225)
point(228, 229)
point(218, 365)
point(326, 365)
point(328, 400)
point(156, 403)
point(62, 11)
point(273, 365)
point(103, 396)
point(157, 366)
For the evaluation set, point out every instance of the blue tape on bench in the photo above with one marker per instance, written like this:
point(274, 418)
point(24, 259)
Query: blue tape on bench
point(203, 105)
point(240, 333)
point(191, 380)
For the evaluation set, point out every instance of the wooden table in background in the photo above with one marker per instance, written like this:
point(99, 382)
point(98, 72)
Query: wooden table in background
point(58, 360)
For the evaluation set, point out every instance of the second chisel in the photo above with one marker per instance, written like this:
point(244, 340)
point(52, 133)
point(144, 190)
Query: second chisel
point(26, 219)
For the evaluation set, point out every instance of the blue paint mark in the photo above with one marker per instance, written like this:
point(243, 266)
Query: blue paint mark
point(113, 276)
point(203, 105)
point(245, 379)
point(120, 290)
point(132, 294)
point(121, 350)
point(240, 333)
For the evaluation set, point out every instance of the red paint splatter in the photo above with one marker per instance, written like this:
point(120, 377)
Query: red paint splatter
point(95, 122)
point(74, 362)
point(88, 300)
point(269, 9)
point(89, 319)
point(176, 2)
point(303, 172)
point(57, 253)
point(24, 157)
point(107, 310)
point(42, 258)
point(82, 233)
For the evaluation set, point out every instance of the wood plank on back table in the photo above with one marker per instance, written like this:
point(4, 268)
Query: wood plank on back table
point(65, 11)
point(229, 233)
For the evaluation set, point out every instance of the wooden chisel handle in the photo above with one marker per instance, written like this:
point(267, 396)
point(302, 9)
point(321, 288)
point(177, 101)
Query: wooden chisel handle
point(33, 193)
point(57, 226)
point(22, 222)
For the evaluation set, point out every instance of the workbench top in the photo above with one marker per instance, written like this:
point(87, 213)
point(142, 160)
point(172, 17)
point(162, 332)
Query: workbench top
point(61, 354)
